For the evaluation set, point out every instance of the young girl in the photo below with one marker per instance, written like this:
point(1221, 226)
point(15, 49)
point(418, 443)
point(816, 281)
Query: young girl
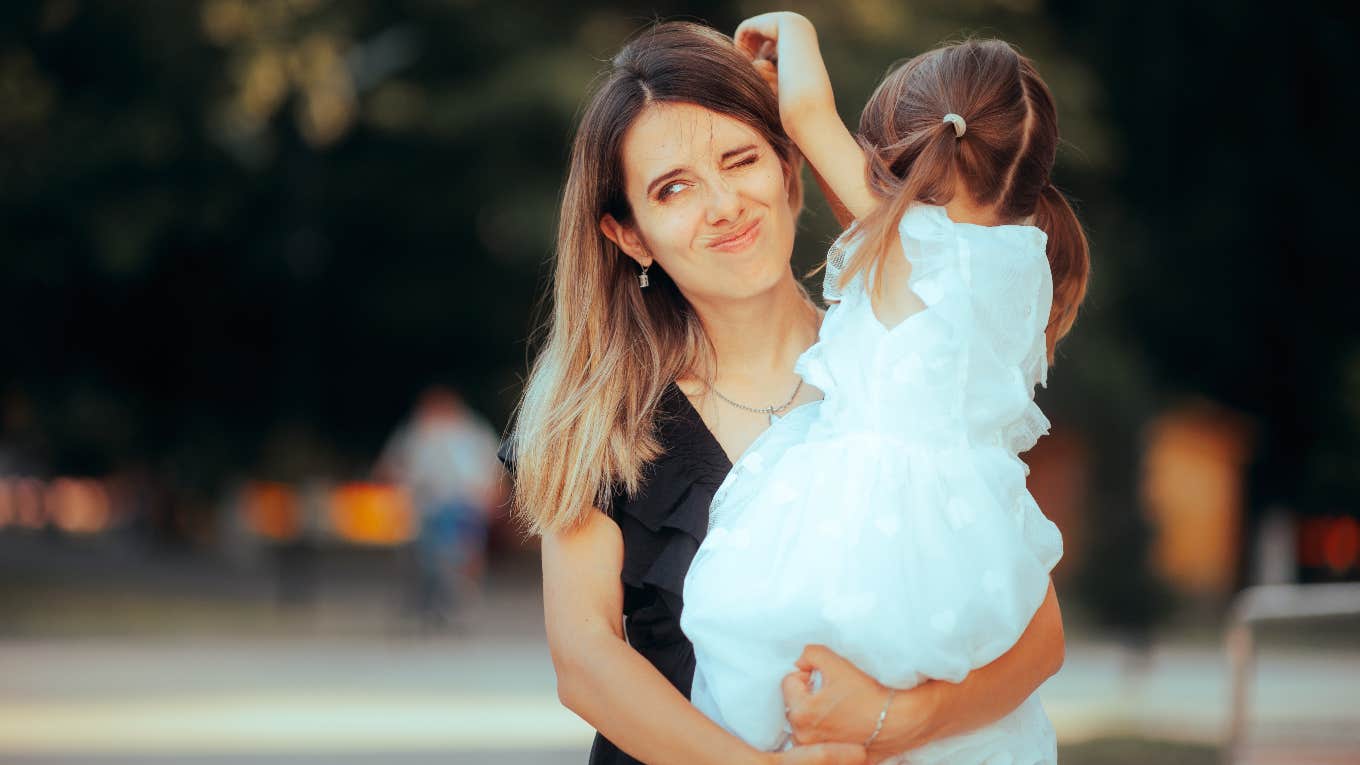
point(891, 522)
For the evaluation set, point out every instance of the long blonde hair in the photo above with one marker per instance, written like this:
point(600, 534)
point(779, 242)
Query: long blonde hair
point(585, 427)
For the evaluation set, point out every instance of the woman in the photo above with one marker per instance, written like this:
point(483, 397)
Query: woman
point(674, 331)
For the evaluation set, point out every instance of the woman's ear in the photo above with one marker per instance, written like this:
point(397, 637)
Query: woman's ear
point(626, 239)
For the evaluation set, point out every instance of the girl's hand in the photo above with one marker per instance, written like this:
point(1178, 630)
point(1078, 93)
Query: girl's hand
point(822, 754)
point(758, 36)
point(772, 38)
point(807, 106)
point(769, 72)
point(846, 705)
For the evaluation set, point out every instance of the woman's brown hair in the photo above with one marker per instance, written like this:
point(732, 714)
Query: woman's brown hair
point(585, 426)
point(1004, 158)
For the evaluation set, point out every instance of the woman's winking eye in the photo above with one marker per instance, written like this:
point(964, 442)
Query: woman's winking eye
point(676, 187)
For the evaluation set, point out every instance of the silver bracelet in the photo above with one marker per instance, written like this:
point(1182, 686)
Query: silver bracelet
point(883, 715)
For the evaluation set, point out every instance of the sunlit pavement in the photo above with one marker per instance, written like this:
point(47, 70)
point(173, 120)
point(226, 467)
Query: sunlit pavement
point(386, 757)
point(345, 680)
point(283, 697)
point(491, 700)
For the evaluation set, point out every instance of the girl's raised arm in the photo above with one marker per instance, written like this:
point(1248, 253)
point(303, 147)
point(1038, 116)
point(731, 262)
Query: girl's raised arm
point(807, 105)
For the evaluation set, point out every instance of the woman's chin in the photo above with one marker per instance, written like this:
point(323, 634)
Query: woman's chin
point(760, 279)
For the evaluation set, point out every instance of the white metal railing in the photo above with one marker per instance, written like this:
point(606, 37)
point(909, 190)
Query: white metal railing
point(1275, 602)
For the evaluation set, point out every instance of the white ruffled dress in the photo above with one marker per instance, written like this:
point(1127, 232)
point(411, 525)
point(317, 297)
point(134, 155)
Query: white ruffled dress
point(891, 521)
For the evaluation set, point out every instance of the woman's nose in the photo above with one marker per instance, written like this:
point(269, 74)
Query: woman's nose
point(724, 203)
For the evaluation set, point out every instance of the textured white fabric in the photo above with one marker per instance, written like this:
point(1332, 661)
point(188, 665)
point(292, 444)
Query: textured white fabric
point(891, 520)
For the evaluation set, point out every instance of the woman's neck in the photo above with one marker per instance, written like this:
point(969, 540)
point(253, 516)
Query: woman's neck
point(756, 341)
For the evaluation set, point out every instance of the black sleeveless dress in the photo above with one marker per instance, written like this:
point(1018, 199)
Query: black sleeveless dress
point(662, 527)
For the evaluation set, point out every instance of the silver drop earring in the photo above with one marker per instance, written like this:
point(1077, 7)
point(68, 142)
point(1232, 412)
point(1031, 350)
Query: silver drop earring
point(642, 277)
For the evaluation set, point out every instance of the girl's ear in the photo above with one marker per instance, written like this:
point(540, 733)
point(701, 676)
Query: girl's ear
point(626, 239)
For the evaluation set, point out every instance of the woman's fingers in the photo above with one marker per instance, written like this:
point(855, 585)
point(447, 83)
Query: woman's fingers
point(798, 707)
point(844, 754)
point(795, 689)
point(815, 657)
point(825, 754)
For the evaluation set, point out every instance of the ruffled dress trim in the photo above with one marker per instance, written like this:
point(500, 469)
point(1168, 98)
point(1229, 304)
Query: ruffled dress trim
point(1025, 431)
point(939, 254)
point(937, 257)
point(674, 501)
point(672, 506)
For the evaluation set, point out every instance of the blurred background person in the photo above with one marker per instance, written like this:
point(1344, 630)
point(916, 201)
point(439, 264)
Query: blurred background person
point(445, 457)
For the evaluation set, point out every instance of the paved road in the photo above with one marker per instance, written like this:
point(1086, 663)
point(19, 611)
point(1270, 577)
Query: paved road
point(95, 674)
point(492, 700)
point(385, 757)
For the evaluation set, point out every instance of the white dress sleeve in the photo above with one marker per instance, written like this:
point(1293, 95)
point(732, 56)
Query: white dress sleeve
point(837, 257)
point(1024, 432)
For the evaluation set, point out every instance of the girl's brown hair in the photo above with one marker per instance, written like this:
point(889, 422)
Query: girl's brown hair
point(1004, 158)
point(585, 426)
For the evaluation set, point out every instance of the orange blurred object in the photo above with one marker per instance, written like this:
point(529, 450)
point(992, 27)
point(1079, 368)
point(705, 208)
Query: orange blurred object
point(78, 505)
point(1194, 490)
point(273, 511)
point(8, 513)
point(28, 510)
point(372, 514)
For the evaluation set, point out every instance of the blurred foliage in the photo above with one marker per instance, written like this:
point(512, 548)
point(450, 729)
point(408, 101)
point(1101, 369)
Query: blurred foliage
point(239, 235)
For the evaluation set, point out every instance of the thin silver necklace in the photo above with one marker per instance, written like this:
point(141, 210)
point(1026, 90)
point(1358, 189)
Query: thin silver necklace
point(771, 410)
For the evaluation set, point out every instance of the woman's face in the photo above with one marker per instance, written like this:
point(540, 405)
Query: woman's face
point(710, 203)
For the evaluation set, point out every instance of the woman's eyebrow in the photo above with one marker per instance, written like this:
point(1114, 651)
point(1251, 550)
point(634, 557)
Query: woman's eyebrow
point(663, 178)
point(730, 154)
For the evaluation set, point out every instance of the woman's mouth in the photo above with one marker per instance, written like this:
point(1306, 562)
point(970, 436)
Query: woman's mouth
point(738, 240)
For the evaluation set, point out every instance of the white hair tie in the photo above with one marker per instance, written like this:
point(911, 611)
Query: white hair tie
point(957, 121)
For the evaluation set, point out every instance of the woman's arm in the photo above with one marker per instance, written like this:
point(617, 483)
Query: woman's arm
point(847, 705)
point(807, 107)
point(610, 685)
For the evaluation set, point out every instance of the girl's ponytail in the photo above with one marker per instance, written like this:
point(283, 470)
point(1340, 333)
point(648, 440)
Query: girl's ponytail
point(1069, 259)
point(922, 169)
point(920, 150)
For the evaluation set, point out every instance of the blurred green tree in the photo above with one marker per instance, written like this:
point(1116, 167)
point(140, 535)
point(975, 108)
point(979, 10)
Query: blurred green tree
point(239, 235)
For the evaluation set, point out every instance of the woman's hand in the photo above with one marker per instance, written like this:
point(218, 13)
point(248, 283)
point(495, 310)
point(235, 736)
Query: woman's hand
point(847, 704)
point(822, 754)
